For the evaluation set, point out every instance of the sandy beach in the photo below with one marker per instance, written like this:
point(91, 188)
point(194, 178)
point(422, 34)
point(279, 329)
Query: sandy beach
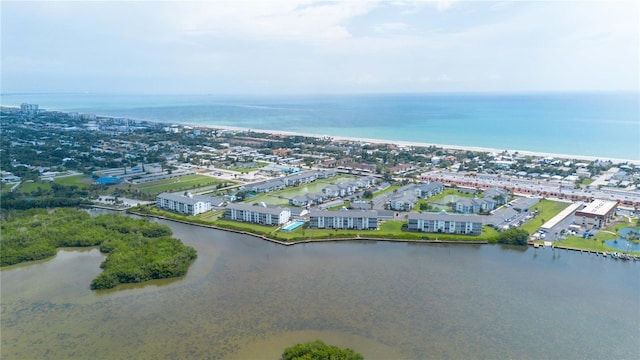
point(421, 144)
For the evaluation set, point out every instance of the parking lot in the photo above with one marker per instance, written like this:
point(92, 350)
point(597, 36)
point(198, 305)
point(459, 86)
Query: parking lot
point(514, 213)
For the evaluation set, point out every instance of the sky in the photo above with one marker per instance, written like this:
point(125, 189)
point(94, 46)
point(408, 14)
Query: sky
point(315, 47)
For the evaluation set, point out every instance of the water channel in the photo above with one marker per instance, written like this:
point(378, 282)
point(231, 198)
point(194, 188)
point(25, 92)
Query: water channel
point(248, 298)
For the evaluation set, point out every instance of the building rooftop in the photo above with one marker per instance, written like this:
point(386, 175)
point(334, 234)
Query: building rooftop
point(190, 200)
point(257, 208)
point(342, 213)
point(599, 207)
point(446, 217)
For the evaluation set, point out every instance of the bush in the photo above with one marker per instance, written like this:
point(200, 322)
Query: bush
point(138, 250)
point(318, 350)
point(513, 237)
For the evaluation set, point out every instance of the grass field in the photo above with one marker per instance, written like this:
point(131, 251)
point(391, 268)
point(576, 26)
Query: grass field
point(281, 197)
point(247, 170)
point(449, 195)
point(387, 190)
point(31, 187)
point(187, 182)
point(81, 181)
point(596, 243)
point(548, 209)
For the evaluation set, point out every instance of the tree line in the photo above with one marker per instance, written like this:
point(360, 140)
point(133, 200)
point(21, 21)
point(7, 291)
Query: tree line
point(138, 250)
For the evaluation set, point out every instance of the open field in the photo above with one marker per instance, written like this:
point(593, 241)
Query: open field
point(187, 182)
point(31, 187)
point(548, 209)
point(597, 243)
point(577, 242)
point(81, 181)
point(281, 197)
point(248, 170)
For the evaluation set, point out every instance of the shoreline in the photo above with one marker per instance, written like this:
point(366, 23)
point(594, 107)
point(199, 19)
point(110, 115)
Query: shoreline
point(308, 241)
point(371, 239)
point(419, 144)
point(402, 143)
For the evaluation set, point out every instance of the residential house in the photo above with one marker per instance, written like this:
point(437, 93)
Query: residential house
point(266, 186)
point(300, 178)
point(401, 169)
point(404, 202)
point(361, 205)
point(429, 189)
point(365, 182)
point(475, 205)
point(307, 199)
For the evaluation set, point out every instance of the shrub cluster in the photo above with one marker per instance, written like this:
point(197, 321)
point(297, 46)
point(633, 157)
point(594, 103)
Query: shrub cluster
point(138, 250)
point(318, 350)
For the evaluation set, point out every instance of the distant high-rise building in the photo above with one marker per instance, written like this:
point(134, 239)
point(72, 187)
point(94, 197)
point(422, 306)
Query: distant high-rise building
point(29, 109)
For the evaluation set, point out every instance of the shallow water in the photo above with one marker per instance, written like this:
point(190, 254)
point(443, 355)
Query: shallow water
point(600, 124)
point(247, 298)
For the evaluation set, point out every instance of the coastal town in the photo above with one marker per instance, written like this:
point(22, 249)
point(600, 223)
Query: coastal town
point(298, 184)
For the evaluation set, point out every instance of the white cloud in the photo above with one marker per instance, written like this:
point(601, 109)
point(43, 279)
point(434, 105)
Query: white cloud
point(336, 45)
point(390, 27)
point(277, 20)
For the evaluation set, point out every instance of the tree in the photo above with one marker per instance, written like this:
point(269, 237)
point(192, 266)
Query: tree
point(317, 350)
point(513, 237)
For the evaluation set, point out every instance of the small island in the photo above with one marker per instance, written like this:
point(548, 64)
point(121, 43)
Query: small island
point(316, 350)
point(138, 250)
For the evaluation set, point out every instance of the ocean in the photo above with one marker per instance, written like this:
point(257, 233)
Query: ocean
point(605, 125)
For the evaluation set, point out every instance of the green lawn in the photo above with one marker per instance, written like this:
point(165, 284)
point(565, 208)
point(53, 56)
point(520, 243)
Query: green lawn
point(577, 242)
point(597, 242)
point(31, 187)
point(5, 188)
point(81, 181)
point(211, 215)
point(586, 181)
point(389, 229)
point(247, 170)
point(387, 190)
point(548, 209)
point(281, 197)
point(187, 182)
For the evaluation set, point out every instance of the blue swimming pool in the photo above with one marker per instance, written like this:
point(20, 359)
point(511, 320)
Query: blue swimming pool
point(293, 225)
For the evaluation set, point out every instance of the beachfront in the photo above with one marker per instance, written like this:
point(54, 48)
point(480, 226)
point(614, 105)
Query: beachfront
point(412, 144)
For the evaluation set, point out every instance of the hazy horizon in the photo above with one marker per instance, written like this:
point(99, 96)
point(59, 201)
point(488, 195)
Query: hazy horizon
point(291, 47)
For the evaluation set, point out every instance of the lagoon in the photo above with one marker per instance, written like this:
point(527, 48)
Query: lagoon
point(247, 298)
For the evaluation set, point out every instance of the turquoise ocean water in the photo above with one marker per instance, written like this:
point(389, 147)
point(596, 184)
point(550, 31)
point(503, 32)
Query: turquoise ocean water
point(589, 124)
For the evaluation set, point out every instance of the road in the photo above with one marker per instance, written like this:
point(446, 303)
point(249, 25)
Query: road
point(536, 187)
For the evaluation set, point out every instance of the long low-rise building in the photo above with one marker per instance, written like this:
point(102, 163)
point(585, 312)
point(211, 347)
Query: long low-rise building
point(257, 214)
point(554, 221)
point(184, 204)
point(445, 223)
point(598, 213)
point(341, 219)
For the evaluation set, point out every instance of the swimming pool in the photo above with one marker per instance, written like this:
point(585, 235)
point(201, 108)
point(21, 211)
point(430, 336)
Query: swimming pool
point(293, 225)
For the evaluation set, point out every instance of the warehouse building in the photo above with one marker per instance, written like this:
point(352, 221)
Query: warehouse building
point(597, 214)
